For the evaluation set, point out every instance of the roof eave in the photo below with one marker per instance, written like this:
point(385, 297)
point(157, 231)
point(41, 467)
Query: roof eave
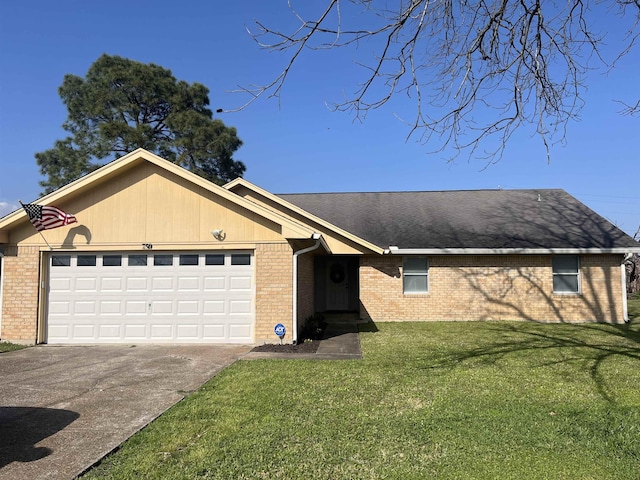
point(512, 251)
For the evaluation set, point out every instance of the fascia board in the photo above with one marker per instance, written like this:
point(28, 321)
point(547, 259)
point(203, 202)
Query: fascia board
point(513, 251)
point(303, 213)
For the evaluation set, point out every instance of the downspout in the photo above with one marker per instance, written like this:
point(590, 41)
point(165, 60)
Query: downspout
point(294, 324)
point(625, 309)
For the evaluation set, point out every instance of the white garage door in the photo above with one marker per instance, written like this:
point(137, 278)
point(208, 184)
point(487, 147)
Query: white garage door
point(160, 297)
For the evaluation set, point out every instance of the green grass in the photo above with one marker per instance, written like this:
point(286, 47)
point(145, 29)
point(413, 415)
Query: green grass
point(10, 347)
point(477, 400)
point(634, 307)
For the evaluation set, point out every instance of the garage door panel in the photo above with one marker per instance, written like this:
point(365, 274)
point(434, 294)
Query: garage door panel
point(214, 307)
point(62, 307)
point(111, 284)
point(60, 284)
point(162, 331)
point(86, 284)
point(237, 283)
point(135, 307)
point(159, 284)
point(213, 284)
point(184, 300)
point(84, 331)
point(109, 332)
point(213, 331)
point(134, 331)
point(84, 308)
point(111, 307)
point(161, 307)
point(188, 331)
point(59, 331)
point(136, 284)
point(188, 307)
point(237, 331)
point(189, 284)
point(239, 307)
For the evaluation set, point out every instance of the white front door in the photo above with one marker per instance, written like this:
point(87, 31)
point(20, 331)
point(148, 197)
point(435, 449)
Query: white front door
point(145, 297)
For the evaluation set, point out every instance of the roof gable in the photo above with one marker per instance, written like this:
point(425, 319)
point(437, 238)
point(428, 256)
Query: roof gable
point(127, 163)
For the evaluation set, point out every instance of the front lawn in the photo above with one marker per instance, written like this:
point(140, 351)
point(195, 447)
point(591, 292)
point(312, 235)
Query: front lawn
point(634, 307)
point(474, 400)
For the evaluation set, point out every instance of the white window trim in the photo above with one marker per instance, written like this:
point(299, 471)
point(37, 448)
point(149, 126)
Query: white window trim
point(415, 274)
point(578, 274)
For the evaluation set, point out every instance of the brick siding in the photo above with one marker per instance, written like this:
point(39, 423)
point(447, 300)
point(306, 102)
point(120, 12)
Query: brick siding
point(274, 291)
point(506, 287)
point(20, 294)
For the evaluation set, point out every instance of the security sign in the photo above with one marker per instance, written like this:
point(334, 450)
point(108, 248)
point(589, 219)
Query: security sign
point(280, 330)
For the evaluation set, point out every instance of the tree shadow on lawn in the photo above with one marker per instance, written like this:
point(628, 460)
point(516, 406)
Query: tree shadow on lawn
point(592, 344)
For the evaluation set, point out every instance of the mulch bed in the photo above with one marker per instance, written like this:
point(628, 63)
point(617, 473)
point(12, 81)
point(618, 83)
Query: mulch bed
point(305, 347)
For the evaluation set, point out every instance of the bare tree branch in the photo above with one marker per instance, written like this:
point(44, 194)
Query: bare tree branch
point(477, 70)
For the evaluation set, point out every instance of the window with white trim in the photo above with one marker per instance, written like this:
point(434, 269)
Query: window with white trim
point(566, 274)
point(415, 275)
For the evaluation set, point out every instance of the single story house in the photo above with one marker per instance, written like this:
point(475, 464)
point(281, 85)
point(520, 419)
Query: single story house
point(161, 255)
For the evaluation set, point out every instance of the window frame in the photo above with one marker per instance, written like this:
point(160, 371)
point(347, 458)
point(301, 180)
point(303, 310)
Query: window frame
point(109, 260)
point(84, 260)
point(419, 273)
point(240, 259)
point(212, 259)
point(187, 260)
point(60, 260)
point(576, 274)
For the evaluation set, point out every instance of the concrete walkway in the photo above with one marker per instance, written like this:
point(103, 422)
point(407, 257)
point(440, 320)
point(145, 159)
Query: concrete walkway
point(63, 408)
point(340, 342)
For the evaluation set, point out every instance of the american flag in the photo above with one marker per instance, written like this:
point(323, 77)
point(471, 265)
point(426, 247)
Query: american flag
point(47, 217)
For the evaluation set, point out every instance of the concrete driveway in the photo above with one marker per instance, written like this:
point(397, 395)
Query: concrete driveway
point(63, 408)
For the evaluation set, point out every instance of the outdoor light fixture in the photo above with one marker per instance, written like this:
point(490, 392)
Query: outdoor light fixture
point(219, 234)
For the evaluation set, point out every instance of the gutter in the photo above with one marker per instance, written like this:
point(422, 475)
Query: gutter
point(294, 323)
point(393, 250)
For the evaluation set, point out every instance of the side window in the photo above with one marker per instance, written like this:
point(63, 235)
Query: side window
point(566, 274)
point(415, 275)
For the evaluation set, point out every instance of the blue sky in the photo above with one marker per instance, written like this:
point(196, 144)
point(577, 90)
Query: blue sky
point(298, 145)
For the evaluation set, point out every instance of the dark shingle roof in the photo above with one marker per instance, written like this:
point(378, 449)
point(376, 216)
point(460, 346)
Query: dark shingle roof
point(466, 219)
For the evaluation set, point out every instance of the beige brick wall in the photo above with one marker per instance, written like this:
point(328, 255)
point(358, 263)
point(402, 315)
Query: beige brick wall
point(274, 291)
point(20, 294)
point(492, 288)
